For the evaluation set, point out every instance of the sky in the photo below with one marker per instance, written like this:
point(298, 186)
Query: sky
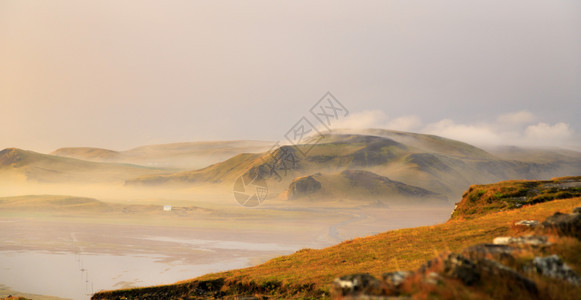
point(120, 74)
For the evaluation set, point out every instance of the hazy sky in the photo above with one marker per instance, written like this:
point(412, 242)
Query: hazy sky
point(119, 74)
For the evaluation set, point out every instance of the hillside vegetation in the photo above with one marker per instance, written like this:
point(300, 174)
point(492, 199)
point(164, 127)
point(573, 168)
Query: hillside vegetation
point(435, 164)
point(483, 199)
point(310, 273)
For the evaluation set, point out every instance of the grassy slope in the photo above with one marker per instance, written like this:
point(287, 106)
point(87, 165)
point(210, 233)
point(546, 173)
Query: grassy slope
point(480, 199)
point(310, 272)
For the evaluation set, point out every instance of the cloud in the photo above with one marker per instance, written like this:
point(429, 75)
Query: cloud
point(474, 134)
point(515, 128)
point(508, 129)
point(516, 117)
point(543, 131)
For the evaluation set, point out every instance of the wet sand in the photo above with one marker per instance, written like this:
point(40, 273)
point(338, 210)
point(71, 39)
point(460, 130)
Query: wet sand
point(68, 256)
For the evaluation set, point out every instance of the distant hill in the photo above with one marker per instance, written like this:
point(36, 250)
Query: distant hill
point(538, 155)
point(51, 202)
point(190, 156)
point(87, 153)
point(22, 165)
point(438, 165)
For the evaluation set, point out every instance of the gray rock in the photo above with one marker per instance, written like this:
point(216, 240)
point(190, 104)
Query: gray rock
point(395, 279)
point(460, 267)
point(433, 278)
point(531, 240)
point(527, 223)
point(471, 272)
point(510, 276)
point(565, 224)
point(502, 253)
point(357, 284)
point(552, 266)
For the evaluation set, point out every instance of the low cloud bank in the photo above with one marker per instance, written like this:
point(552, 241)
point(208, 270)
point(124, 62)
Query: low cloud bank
point(521, 128)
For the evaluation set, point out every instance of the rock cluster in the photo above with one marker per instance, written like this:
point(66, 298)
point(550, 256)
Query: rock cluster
point(478, 265)
point(565, 224)
point(552, 266)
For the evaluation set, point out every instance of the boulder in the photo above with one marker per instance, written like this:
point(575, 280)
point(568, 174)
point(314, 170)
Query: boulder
point(564, 224)
point(356, 284)
point(395, 279)
point(552, 266)
point(502, 253)
point(460, 267)
point(527, 223)
point(491, 268)
point(531, 240)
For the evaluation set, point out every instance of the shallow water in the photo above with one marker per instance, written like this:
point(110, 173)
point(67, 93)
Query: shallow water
point(74, 260)
point(77, 276)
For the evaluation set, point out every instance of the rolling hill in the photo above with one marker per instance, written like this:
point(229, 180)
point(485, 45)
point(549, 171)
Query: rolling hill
point(187, 156)
point(17, 165)
point(436, 164)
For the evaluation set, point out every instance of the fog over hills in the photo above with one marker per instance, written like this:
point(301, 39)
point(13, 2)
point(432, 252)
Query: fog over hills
point(365, 165)
point(190, 155)
point(28, 166)
point(439, 165)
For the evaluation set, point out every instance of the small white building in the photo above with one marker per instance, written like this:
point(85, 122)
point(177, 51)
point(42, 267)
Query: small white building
point(167, 208)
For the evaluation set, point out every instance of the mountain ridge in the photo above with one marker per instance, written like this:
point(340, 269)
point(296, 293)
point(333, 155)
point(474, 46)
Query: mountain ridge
point(439, 165)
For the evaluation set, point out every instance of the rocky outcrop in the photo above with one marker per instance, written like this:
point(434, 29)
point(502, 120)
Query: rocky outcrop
point(371, 181)
point(531, 240)
point(460, 267)
point(303, 187)
point(357, 284)
point(439, 272)
point(564, 224)
point(395, 279)
point(484, 199)
point(552, 266)
point(527, 223)
point(507, 262)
